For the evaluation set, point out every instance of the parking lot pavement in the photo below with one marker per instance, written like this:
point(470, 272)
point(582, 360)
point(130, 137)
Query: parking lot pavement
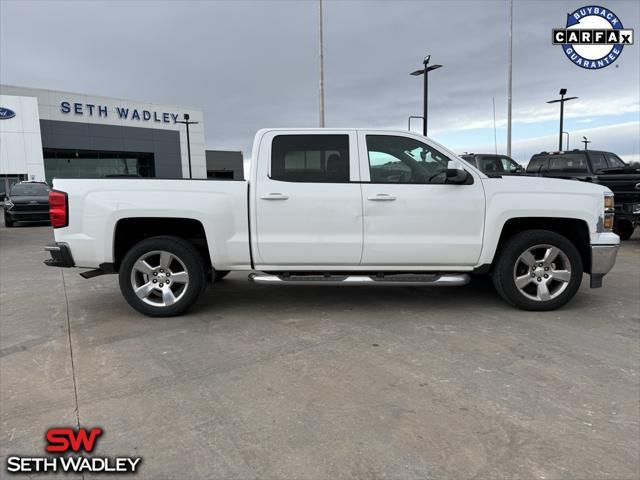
point(304, 382)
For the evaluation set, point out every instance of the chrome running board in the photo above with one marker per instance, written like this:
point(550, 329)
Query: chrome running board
point(424, 280)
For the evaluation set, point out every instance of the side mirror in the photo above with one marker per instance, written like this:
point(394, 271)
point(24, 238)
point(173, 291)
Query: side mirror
point(456, 174)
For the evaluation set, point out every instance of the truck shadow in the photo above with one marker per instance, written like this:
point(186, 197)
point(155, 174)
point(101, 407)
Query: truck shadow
point(232, 294)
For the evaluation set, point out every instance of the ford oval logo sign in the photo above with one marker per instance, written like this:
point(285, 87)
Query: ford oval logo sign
point(6, 113)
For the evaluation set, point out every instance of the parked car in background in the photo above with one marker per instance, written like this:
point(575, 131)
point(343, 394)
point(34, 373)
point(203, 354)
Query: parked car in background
point(604, 168)
point(337, 207)
point(26, 202)
point(492, 164)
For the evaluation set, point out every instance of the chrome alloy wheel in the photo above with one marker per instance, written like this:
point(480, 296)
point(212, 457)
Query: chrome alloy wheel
point(159, 278)
point(542, 272)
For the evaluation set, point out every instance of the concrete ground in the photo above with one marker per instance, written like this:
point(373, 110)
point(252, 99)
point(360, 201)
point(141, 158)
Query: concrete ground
point(319, 383)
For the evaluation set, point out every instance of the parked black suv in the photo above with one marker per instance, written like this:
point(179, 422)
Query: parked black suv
point(596, 166)
point(27, 202)
point(493, 164)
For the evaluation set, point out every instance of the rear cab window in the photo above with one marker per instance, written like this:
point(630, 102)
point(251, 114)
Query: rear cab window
point(568, 163)
point(538, 164)
point(319, 158)
point(470, 159)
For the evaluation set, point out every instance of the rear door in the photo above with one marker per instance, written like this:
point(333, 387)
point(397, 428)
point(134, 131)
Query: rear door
point(308, 200)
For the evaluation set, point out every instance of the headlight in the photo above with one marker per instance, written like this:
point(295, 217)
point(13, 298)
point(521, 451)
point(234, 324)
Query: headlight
point(8, 204)
point(608, 212)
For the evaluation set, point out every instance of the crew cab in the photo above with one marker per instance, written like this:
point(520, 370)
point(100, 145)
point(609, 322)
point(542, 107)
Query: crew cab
point(337, 207)
point(604, 168)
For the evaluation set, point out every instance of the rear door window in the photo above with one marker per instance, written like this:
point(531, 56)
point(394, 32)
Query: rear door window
point(310, 158)
point(598, 161)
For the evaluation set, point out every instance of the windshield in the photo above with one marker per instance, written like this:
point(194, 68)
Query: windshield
point(615, 162)
point(30, 190)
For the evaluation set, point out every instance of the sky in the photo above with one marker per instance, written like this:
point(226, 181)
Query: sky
point(254, 64)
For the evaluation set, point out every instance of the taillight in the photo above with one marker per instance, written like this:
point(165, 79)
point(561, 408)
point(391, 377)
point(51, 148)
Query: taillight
point(58, 209)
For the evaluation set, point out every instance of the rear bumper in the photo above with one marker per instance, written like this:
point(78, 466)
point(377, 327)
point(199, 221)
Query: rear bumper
point(60, 255)
point(603, 258)
point(28, 216)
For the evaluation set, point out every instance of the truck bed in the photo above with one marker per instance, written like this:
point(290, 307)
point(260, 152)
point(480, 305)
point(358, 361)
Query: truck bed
point(97, 204)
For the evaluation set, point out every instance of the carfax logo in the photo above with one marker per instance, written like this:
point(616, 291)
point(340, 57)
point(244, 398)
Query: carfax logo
point(593, 38)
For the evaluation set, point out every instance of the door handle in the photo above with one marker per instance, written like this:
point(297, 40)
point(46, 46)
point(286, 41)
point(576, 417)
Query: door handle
point(382, 197)
point(274, 196)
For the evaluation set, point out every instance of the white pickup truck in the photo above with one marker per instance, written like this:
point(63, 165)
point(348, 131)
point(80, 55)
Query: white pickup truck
point(337, 207)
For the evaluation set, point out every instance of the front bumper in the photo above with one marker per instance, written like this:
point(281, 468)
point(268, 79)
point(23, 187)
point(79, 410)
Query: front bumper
point(603, 258)
point(628, 211)
point(60, 255)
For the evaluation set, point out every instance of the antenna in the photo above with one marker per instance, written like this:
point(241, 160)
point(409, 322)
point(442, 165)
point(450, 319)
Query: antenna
point(495, 134)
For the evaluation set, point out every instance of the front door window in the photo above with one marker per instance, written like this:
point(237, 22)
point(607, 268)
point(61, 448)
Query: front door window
point(394, 159)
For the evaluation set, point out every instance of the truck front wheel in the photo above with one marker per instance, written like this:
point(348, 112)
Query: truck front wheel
point(8, 222)
point(162, 276)
point(538, 270)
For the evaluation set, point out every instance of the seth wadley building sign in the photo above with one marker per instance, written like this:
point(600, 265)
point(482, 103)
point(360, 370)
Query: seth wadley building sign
point(123, 113)
point(54, 121)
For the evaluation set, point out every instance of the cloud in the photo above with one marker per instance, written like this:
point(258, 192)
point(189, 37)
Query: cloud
point(254, 64)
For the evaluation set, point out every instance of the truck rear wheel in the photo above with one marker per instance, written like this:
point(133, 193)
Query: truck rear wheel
point(162, 276)
point(538, 270)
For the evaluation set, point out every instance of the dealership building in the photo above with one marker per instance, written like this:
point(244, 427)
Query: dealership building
point(46, 134)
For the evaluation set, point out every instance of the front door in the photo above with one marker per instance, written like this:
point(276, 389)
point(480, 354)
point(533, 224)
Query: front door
point(308, 200)
point(412, 217)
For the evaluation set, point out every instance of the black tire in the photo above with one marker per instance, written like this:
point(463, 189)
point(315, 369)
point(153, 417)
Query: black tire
point(185, 257)
point(8, 222)
point(624, 229)
point(219, 275)
point(508, 266)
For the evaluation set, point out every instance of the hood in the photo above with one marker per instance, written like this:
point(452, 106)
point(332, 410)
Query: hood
point(619, 171)
point(524, 183)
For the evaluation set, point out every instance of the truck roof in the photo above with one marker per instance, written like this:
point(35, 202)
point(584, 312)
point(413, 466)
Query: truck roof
point(576, 150)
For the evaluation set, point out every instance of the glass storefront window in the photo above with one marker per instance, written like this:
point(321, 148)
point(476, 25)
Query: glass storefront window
point(95, 164)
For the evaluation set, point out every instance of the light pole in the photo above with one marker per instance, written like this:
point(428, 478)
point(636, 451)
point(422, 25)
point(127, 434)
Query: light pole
point(509, 78)
point(187, 123)
point(563, 91)
point(585, 141)
point(321, 58)
point(567, 134)
point(425, 71)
